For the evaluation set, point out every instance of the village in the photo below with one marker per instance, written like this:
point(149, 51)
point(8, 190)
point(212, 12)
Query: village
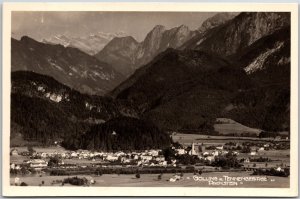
point(261, 158)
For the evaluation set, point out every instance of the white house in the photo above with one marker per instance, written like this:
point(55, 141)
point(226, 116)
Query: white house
point(172, 180)
point(84, 155)
point(153, 152)
point(91, 155)
point(210, 158)
point(180, 151)
point(98, 154)
point(224, 152)
point(14, 152)
point(220, 147)
point(112, 158)
point(126, 160)
point(74, 154)
point(146, 157)
point(152, 164)
point(215, 153)
point(279, 169)
point(120, 153)
point(160, 158)
point(205, 153)
point(164, 163)
point(261, 149)
point(44, 155)
point(136, 157)
point(38, 163)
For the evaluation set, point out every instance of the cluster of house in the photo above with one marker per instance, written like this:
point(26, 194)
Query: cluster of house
point(268, 146)
point(144, 158)
point(208, 154)
point(203, 153)
point(37, 164)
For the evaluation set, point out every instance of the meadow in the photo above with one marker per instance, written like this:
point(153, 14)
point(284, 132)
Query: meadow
point(227, 126)
point(151, 180)
point(188, 139)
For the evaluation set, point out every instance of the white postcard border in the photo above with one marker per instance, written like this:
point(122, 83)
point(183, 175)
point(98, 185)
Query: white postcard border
point(148, 191)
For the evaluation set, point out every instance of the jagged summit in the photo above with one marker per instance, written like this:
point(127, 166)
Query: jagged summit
point(156, 41)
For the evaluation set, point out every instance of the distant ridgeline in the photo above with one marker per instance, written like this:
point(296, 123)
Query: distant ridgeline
point(239, 70)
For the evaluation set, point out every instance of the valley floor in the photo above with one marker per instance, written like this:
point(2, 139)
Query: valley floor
point(151, 180)
point(211, 176)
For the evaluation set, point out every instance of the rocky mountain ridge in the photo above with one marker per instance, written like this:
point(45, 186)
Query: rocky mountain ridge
point(68, 65)
point(126, 55)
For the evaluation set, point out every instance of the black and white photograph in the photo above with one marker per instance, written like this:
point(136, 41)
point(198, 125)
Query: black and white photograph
point(159, 99)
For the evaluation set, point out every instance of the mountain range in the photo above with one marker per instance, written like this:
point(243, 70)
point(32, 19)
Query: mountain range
point(249, 85)
point(68, 65)
point(127, 54)
point(90, 44)
point(236, 66)
point(238, 33)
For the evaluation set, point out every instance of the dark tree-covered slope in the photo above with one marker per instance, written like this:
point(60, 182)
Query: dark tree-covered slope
point(122, 133)
point(45, 109)
point(183, 89)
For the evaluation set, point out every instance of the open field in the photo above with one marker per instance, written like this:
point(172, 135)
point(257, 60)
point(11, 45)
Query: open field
point(273, 154)
point(43, 149)
point(151, 180)
point(278, 157)
point(227, 126)
point(82, 161)
point(188, 139)
point(18, 159)
point(229, 130)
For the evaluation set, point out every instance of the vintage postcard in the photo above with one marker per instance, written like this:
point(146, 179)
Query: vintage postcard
point(150, 99)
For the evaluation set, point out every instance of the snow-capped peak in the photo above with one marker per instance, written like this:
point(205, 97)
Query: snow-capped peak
point(90, 44)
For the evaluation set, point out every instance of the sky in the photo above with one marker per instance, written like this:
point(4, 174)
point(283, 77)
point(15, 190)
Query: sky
point(43, 25)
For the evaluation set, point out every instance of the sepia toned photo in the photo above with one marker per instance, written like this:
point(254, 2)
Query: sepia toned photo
point(152, 99)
